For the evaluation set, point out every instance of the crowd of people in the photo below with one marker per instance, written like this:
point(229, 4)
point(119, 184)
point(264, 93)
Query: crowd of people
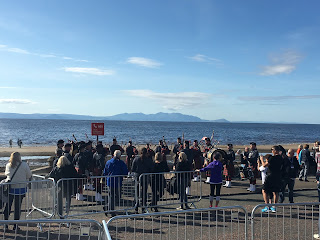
point(81, 160)
point(278, 170)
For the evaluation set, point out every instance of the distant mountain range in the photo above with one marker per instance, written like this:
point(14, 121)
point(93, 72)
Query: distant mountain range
point(170, 117)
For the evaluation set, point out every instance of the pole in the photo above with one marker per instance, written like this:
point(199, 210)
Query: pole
point(97, 138)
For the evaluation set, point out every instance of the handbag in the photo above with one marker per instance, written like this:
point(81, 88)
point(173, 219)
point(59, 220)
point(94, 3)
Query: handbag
point(4, 189)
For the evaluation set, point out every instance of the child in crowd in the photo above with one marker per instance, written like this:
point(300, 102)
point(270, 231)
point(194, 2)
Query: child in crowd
point(215, 168)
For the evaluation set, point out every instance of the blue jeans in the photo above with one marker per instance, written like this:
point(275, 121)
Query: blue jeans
point(304, 171)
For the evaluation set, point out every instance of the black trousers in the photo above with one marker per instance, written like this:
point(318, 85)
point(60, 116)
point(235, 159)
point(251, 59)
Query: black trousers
point(17, 206)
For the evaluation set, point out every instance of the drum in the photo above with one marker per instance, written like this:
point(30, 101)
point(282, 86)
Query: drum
point(214, 150)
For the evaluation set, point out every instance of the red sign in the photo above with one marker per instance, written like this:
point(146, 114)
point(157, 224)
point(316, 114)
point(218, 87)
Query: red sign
point(97, 129)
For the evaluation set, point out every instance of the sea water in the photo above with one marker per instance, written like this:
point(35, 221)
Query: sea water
point(47, 132)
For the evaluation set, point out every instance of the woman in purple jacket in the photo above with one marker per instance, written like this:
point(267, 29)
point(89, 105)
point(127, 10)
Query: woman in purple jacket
point(215, 168)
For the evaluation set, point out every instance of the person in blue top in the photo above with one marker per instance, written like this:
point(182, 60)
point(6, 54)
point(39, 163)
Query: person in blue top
point(115, 168)
point(215, 168)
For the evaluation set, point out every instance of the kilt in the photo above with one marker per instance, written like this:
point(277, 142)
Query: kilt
point(198, 163)
point(255, 171)
point(228, 170)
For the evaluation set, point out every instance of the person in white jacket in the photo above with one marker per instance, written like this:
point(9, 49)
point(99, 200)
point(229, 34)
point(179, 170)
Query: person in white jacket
point(16, 191)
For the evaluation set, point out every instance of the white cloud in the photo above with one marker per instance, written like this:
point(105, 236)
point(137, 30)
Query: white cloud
point(92, 71)
point(204, 58)
point(18, 50)
point(172, 101)
point(283, 63)
point(81, 60)
point(144, 62)
point(46, 55)
point(15, 101)
point(278, 98)
point(43, 55)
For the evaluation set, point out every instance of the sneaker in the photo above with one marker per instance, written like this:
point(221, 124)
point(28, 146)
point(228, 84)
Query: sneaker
point(80, 197)
point(67, 225)
point(306, 180)
point(99, 198)
point(180, 208)
point(265, 210)
point(316, 236)
point(187, 207)
point(273, 209)
point(88, 186)
point(210, 206)
point(300, 179)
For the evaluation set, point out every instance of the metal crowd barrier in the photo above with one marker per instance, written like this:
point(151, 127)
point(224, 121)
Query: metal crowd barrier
point(52, 229)
point(103, 194)
point(27, 200)
point(168, 188)
point(290, 221)
point(212, 223)
point(43, 192)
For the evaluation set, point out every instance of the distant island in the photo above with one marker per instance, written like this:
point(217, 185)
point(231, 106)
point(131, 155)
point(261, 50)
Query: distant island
point(168, 117)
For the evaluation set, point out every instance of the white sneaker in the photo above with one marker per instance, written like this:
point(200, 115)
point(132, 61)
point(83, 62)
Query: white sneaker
point(88, 186)
point(196, 179)
point(80, 197)
point(249, 189)
point(99, 197)
point(253, 188)
point(188, 190)
point(208, 180)
point(316, 236)
point(228, 185)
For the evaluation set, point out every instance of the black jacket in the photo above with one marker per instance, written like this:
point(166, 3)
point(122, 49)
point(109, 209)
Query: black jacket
point(80, 161)
point(67, 186)
point(98, 160)
point(140, 166)
point(290, 168)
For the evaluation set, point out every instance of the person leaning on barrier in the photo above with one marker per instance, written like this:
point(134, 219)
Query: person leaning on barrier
point(158, 181)
point(114, 167)
point(140, 165)
point(21, 173)
point(215, 168)
point(183, 179)
point(68, 187)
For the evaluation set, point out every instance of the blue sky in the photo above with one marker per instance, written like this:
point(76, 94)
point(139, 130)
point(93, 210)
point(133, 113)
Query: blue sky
point(239, 60)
